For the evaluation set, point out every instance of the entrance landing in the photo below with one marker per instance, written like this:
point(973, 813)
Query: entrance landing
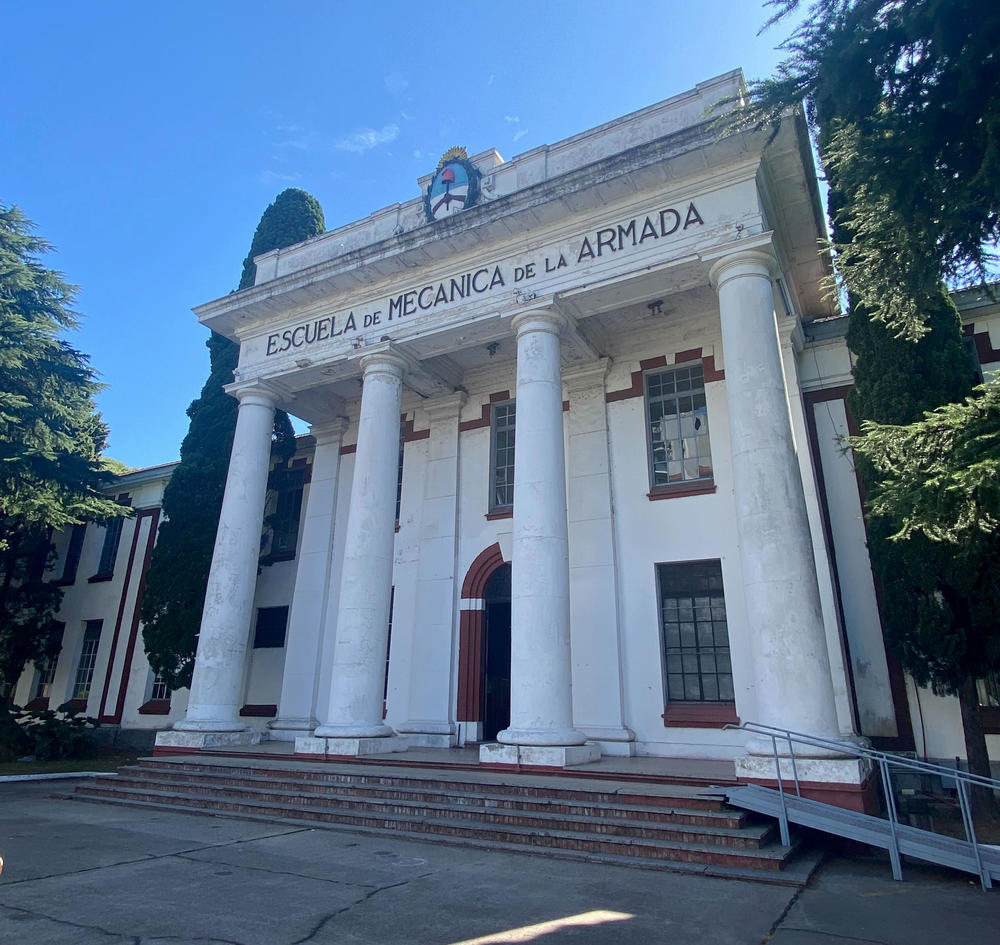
point(697, 771)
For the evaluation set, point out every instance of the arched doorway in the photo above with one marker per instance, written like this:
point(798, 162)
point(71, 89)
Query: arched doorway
point(496, 661)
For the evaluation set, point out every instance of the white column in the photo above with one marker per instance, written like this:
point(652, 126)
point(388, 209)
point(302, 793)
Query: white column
point(595, 632)
point(785, 621)
point(541, 703)
point(216, 686)
point(354, 717)
point(299, 681)
point(433, 643)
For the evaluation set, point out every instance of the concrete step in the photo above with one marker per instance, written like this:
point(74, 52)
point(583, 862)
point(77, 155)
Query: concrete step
point(796, 871)
point(524, 837)
point(416, 791)
point(547, 786)
point(481, 808)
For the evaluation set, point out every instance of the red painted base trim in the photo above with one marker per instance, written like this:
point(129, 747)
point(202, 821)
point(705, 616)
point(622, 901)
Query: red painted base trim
point(37, 705)
point(155, 707)
point(700, 714)
point(863, 798)
point(253, 711)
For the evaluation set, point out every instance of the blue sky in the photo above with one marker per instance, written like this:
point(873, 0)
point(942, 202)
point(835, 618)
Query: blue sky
point(145, 140)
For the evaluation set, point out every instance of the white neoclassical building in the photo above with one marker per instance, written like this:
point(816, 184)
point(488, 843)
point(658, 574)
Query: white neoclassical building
point(575, 483)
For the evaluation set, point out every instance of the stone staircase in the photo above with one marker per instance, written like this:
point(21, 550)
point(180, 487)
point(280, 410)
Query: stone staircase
point(646, 824)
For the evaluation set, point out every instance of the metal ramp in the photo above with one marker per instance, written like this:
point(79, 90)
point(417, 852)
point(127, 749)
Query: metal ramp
point(899, 839)
point(874, 831)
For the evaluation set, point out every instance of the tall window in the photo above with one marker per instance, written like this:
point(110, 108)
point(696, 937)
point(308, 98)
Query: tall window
point(45, 670)
point(71, 562)
point(399, 469)
point(679, 448)
point(109, 550)
point(281, 533)
point(502, 455)
point(159, 690)
point(88, 658)
point(697, 664)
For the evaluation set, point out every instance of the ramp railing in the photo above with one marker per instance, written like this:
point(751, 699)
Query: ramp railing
point(964, 782)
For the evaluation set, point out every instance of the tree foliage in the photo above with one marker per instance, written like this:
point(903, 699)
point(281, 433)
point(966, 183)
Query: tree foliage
point(51, 439)
point(178, 574)
point(905, 99)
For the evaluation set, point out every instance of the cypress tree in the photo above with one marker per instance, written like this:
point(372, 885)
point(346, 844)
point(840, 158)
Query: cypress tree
point(178, 574)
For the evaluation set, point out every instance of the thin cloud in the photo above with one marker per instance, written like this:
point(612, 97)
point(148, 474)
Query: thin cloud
point(367, 138)
point(513, 119)
point(269, 177)
point(520, 134)
point(396, 83)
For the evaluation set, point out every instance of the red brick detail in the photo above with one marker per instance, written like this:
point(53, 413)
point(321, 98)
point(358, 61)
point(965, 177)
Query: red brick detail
point(471, 653)
point(681, 489)
point(985, 351)
point(499, 513)
point(649, 364)
point(863, 798)
point(259, 711)
point(474, 585)
point(565, 406)
point(409, 434)
point(700, 714)
point(155, 707)
point(350, 448)
point(483, 420)
point(989, 715)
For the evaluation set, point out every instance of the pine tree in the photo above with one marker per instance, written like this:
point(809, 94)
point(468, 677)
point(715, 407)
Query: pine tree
point(51, 439)
point(178, 573)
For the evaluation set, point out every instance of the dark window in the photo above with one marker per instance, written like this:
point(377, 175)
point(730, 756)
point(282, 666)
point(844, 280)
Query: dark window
point(109, 551)
point(45, 669)
point(989, 690)
point(287, 513)
point(271, 623)
point(502, 455)
point(679, 448)
point(695, 633)
point(71, 562)
point(88, 657)
point(399, 471)
point(388, 647)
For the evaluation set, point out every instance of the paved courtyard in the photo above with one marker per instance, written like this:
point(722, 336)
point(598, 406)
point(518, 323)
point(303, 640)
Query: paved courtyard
point(77, 873)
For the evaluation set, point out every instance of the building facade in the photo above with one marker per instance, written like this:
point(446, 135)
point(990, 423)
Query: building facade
point(575, 483)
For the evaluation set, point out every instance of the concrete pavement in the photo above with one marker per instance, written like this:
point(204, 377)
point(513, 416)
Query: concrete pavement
point(81, 874)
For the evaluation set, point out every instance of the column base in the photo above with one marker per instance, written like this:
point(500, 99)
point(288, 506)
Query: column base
point(172, 740)
point(841, 781)
point(611, 739)
point(537, 756)
point(424, 733)
point(288, 729)
point(349, 747)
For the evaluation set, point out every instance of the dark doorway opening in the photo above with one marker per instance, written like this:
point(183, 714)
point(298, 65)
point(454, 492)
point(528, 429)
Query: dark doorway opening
point(496, 676)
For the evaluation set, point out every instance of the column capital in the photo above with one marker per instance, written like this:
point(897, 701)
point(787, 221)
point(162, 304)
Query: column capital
point(548, 319)
point(329, 432)
point(586, 377)
point(259, 392)
point(750, 257)
point(384, 360)
point(447, 407)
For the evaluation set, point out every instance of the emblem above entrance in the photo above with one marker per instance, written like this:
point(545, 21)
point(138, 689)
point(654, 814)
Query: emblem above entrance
point(454, 187)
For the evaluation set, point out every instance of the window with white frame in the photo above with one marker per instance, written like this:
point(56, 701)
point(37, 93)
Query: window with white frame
point(677, 426)
point(109, 550)
point(45, 670)
point(88, 658)
point(696, 660)
point(503, 416)
point(159, 690)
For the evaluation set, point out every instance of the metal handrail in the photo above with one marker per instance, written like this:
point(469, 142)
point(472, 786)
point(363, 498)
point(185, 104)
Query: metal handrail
point(881, 759)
